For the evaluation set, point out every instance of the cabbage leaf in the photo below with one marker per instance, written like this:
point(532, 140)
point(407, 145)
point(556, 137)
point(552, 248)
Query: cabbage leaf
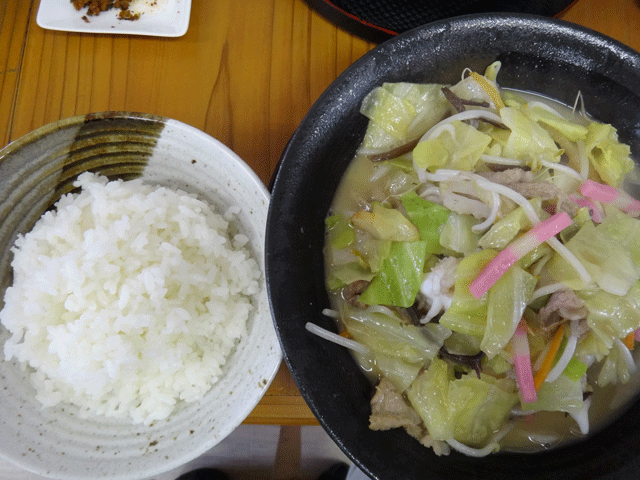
point(609, 262)
point(371, 251)
point(459, 151)
point(428, 217)
point(528, 141)
point(388, 335)
point(507, 300)
point(397, 371)
point(398, 280)
point(623, 230)
point(505, 230)
point(562, 395)
point(340, 232)
point(467, 313)
point(469, 409)
point(614, 369)
point(612, 316)
point(610, 158)
point(399, 112)
point(573, 131)
point(456, 234)
point(429, 397)
point(479, 407)
point(342, 275)
point(385, 223)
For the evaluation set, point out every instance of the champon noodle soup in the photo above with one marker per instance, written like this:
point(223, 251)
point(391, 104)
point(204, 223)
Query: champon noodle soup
point(483, 265)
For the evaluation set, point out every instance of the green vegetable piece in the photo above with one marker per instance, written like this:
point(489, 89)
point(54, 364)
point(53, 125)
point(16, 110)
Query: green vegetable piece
point(582, 217)
point(386, 224)
point(573, 131)
point(623, 230)
point(609, 262)
point(562, 395)
point(428, 217)
point(400, 276)
point(429, 396)
point(612, 316)
point(404, 164)
point(392, 113)
point(592, 345)
point(491, 72)
point(468, 409)
point(460, 150)
point(528, 141)
point(610, 158)
point(467, 313)
point(575, 369)
point(507, 300)
point(387, 335)
point(399, 372)
point(499, 138)
point(372, 251)
point(499, 364)
point(534, 255)
point(430, 155)
point(346, 274)
point(479, 407)
point(462, 344)
point(400, 112)
point(614, 369)
point(456, 234)
point(340, 232)
point(505, 230)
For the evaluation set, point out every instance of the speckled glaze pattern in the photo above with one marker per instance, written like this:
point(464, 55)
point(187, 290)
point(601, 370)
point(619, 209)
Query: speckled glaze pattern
point(538, 54)
point(34, 172)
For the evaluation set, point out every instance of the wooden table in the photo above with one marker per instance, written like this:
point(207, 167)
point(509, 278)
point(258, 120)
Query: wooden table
point(246, 72)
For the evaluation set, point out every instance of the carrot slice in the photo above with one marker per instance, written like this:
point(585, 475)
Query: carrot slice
point(547, 364)
point(630, 341)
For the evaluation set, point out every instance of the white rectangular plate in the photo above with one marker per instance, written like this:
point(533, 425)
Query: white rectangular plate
point(160, 18)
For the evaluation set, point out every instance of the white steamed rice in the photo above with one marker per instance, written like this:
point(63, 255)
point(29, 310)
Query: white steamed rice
point(127, 299)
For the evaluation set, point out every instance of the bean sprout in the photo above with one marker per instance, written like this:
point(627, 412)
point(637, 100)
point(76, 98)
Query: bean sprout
point(466, 115)
point(511, 162)
point(566, 356)
point(492, 446)
point(495, 207)
point(328, 312)
point(626, 354)
point(582, 417)
point(561, 168)
point(435, 132)
point(335, 338)
point(547, 290)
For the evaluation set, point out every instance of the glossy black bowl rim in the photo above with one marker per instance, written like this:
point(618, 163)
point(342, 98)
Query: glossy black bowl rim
point(598, 53)
point(377, 27)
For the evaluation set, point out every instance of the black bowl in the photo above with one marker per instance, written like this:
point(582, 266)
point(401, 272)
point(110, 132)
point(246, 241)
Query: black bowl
point(551, 57)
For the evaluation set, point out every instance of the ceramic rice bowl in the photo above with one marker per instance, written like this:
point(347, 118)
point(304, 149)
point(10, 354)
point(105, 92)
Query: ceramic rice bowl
point(34, 172)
